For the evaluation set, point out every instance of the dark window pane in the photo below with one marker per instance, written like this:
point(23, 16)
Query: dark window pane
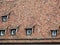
point(54, 33)
point(28, 31)
point(2, 32)
point(4, 18)
point(13, 31)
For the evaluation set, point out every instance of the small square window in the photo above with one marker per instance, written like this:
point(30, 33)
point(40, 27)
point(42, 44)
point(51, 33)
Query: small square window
point(13, 32)
point(2, 32)
point(28, 31)
point(54, 33)
point(4, 18)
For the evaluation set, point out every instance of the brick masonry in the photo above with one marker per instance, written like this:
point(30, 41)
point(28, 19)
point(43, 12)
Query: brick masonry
point(43, 14)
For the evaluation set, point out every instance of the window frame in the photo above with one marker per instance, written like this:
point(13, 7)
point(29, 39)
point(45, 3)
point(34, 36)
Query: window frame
point(11, 32)
point(4, 32)
point(4, 18)
point(54, 31)
point(28, 29)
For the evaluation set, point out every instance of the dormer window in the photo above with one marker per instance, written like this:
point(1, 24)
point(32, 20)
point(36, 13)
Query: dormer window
point(4, 18)
point(54, 33)
point(28, 31)
point(2, 32)
point(13, 32)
